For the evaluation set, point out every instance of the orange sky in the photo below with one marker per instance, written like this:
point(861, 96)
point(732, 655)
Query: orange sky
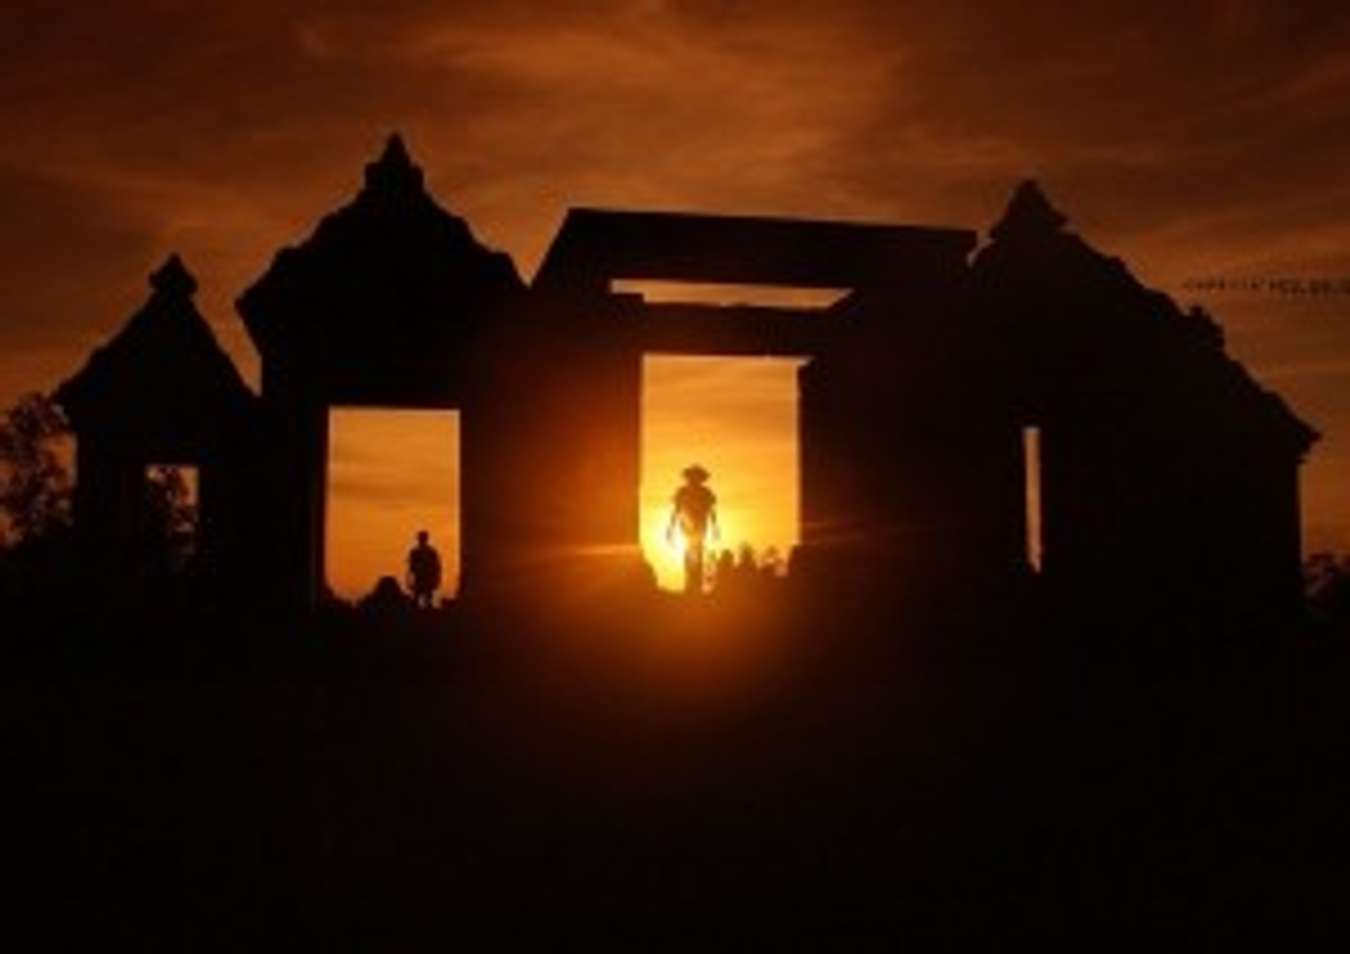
point(737, 417)
point(1194, 139)
point(390, 474)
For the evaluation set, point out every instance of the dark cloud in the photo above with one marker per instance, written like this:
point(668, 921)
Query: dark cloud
point(69, 260)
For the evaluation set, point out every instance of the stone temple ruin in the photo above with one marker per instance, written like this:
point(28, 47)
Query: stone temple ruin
point(1164, 468)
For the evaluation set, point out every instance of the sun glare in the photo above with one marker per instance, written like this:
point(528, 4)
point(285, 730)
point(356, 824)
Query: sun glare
point(737, 417)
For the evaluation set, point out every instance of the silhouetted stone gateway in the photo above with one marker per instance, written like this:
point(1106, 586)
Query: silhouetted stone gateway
point(162, 391)
point(1164, 468)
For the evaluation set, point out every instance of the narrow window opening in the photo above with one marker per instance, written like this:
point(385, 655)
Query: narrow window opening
point(171, 512)
point(1031, 457)
point(717, 293)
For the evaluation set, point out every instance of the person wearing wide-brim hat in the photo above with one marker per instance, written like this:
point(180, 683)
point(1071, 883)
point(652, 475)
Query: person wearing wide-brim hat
point(695, 513)
point(695, 474)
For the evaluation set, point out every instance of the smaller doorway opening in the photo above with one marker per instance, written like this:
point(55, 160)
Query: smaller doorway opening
point(392, 474)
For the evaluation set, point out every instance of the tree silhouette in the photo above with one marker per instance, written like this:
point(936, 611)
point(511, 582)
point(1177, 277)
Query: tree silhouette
point(1327, 585)
point(171, 516)
point(35, 483)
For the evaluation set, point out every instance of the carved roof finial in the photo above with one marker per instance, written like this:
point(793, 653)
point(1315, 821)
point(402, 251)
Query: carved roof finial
point(394, 171)
point(173, 279)
point(1029, 213)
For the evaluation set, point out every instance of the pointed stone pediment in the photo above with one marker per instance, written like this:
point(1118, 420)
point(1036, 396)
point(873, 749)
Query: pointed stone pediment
point(1090, 326)
point(173, 280)
point(1029, 214)
point(392, 274)
point(394, 172)
point(162, 375)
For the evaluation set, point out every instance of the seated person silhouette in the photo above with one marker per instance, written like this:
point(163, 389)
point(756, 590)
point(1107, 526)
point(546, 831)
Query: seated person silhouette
point(424, 571)
point(695, 513)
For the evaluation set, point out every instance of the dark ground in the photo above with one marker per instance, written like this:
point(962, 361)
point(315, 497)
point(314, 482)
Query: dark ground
point(343, 782)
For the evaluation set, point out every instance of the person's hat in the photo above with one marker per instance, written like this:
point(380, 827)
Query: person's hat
point(695, 474)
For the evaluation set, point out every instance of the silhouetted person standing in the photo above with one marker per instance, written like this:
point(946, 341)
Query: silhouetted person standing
point(695, 513)
point(424, 571)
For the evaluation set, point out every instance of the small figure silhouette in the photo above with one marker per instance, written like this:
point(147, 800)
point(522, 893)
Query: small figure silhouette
point(424, 571)
point(386, 601)
point(695, 512)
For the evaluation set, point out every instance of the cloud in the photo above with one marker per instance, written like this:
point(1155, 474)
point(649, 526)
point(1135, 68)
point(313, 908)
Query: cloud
point(1185, 138)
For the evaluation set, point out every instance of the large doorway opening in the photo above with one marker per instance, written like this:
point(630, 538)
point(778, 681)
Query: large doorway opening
point(737, 418)
point(391, 474)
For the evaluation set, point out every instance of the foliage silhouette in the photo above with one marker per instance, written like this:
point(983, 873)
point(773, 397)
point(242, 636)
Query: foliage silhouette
point(1327, 577)
point(172, 517)
point(35, 481)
